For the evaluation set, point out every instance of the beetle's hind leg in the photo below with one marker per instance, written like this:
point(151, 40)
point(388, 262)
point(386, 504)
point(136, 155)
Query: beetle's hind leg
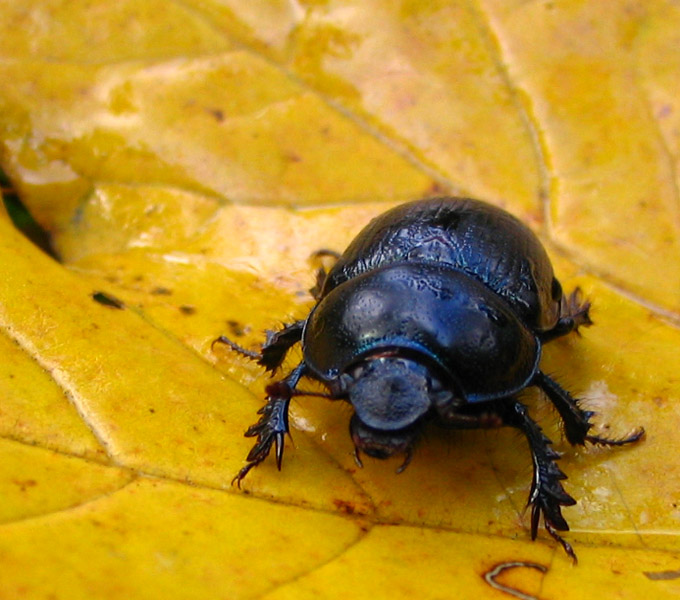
point(547, 495)
point(273, 424)
point(275, 347)
point(321, 273)
point(576, 420)
point(574, 313)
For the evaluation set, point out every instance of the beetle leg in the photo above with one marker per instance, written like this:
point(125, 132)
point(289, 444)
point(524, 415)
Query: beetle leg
point(576, 420)
point(357, 458)
point(223, 339)
point(321, 272)
point(273, 425)
point(547, 495)
point(278, 343)
point(573, 314)
point(274, 350)
point(407, 460)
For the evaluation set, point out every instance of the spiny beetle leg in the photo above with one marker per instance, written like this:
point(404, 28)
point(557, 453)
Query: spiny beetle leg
point(547, 495)
point(223, 339)
point(273, 351)
point(576, 420)
point(574, 313)
point(272, 427)
point(278, 343)
point(636, 436)
point(574, 309)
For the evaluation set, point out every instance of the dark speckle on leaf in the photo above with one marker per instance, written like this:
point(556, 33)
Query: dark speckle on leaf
point(236, 329)
point(662, 575)
point(187, 310)
point(344, 506)
point(108, 300)
point(217, 113)
point(161, 291)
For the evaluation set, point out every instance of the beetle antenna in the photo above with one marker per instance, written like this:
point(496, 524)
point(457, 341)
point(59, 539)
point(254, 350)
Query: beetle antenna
point(407, 460)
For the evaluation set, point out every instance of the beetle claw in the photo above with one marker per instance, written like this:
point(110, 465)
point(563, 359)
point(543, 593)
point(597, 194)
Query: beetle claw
point(242, 473)
point(279, 442)
point(357, 458)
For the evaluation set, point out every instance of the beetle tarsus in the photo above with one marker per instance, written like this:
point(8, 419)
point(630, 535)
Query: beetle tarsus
point(564, 543)
point(636, 436)
point(223, 339)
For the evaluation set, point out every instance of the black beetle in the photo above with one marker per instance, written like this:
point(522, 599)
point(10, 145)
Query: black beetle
point(436, 311)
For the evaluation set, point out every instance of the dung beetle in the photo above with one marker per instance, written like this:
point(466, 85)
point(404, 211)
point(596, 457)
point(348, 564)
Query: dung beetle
point(437, 311)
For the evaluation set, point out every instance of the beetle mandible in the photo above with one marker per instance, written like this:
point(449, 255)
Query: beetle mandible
point(437, 310)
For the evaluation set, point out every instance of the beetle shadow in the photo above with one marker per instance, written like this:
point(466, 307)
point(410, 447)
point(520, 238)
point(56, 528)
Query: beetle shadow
point(452, 482)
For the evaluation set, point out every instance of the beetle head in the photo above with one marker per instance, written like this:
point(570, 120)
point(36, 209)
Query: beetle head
point(390, 394)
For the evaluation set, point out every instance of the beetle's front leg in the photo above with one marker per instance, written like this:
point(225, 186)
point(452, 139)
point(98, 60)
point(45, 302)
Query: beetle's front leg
point(273, 425)
point(547, 495)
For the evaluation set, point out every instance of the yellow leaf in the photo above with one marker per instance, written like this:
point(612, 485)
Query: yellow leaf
point(187, 160)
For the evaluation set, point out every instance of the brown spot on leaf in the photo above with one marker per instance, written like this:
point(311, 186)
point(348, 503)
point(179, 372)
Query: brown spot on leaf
point(108, 300)
point(161, 291)
point(345, 506)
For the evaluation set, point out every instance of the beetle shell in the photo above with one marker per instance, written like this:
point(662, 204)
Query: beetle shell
point(442, 316)
point(474, 237)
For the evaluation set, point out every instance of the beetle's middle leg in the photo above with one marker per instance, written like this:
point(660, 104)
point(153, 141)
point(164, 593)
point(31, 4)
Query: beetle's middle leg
point(273, 424)
point(273, 351)
point(576, 420)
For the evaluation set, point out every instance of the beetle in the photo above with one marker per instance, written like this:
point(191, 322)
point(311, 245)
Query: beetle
point(436, 311)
